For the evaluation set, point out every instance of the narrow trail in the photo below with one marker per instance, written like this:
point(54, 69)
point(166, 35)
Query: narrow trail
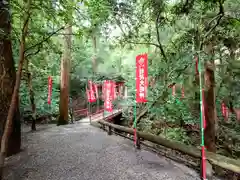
point(82, 152)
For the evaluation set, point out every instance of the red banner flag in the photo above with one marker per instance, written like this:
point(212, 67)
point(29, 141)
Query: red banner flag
point(90, 96)
point(108, 96)
point(90, 93)
point(96, 90)
point(224, 111)
point(141, 78)
point(49, 89)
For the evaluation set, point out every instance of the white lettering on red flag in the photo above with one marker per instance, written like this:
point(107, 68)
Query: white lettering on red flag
point(91, 96)
point(96, 90)
point(224, 111)
point(108, 96)
point(141, 78)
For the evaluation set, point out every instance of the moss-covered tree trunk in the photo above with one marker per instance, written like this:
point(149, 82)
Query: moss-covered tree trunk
point(11, 123)
point(209, 94)
point(7, 81)
point(31, 94)
point(210, 100)
point(210, 110)
point(65, 71)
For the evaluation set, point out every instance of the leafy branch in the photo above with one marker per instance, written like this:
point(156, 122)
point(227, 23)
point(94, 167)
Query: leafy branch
point(158, 37)
point(45, 39)
point(218, 18)
point(131, 42)
point(163, 95)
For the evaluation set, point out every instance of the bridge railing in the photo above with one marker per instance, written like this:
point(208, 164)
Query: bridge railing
point(95, 109)
point(214, 159)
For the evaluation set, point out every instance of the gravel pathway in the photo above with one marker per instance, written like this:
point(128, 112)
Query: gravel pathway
point(82, 152)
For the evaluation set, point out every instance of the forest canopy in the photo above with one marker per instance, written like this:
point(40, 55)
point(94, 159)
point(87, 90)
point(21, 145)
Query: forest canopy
point(74, 41)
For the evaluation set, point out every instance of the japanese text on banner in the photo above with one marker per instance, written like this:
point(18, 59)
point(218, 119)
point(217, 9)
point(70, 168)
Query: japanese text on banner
point(91, 96)
point(224, 111)
point(141, 78)
point(108, 96)
point(96, 90)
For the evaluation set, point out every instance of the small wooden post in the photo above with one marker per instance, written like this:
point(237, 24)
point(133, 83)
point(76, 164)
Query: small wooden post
point(102, 126)
point(137, 145)
point(109, 130)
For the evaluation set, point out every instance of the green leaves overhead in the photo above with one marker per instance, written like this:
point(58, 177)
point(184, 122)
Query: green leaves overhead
point(170, 32)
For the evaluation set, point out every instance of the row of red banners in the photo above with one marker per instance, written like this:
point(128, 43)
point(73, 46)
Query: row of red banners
point(110, 90)
point(225, 111)
point(92, 92)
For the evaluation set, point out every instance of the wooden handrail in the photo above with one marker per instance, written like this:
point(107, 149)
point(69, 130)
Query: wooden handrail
point(81, 110)
point(216, 159)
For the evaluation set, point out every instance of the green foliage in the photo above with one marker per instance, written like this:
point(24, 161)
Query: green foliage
point(171, 32)
point(176, 134)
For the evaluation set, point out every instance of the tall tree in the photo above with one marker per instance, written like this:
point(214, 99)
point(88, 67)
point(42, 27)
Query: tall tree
point(65, 62)
point(65, 72)
point(9, 124)
point(7, 80)
point(31, 94)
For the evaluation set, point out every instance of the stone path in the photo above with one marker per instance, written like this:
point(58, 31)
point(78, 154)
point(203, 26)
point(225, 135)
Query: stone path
point(82, 152)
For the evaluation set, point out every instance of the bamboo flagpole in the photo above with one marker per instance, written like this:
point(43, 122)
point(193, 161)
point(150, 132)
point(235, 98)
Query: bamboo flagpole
point(202, 118)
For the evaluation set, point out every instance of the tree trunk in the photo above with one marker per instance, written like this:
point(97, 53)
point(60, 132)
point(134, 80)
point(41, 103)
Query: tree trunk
point(11, 125)
point(210, 101)
point(210, 111)
point(31, 94)
point(7, 81)
point(32, 101)
point(64, 90)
